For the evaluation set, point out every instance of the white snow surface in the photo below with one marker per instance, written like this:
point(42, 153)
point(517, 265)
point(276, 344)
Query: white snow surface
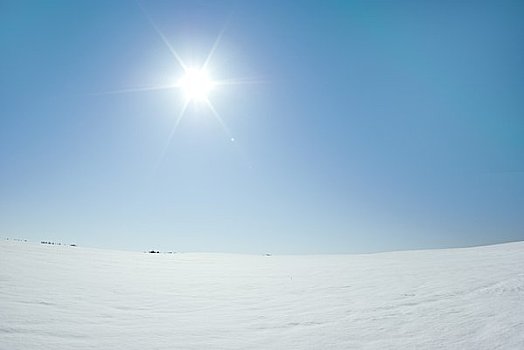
point(61, 297)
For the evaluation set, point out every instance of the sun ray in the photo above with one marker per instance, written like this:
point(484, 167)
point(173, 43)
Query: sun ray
point(215, 45)
point(163, 37)
point(178, 119)
point(219, 119)
point(240, 149)
point(225, 82)
point(133, 90)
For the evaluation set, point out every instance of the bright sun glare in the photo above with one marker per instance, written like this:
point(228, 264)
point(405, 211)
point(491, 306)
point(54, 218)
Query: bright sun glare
point(196, 84)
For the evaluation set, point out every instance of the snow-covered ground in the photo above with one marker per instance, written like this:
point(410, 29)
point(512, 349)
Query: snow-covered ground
point(61, 297)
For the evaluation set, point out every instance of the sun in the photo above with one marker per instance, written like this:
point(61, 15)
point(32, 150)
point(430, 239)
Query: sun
point(196, 84)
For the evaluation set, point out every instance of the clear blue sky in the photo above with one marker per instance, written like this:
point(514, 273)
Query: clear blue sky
point(370, 125)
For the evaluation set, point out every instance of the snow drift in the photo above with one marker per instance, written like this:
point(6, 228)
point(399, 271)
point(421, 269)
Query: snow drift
point(61, 297)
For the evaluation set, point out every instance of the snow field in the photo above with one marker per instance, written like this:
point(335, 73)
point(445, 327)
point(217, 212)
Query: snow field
point(61, 297)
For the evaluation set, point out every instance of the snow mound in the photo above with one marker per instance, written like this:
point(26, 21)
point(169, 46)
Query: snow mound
point(62, 297)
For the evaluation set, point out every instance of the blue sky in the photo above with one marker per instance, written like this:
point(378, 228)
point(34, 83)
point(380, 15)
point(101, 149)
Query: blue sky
point(367, 126)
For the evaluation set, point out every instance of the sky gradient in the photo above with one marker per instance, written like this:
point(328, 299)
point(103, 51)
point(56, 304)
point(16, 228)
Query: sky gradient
point(363, 126)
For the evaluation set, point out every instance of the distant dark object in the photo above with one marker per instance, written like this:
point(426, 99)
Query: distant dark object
point(73, 245)
point(51, 243)
point(154, 252)
point(267, 254)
